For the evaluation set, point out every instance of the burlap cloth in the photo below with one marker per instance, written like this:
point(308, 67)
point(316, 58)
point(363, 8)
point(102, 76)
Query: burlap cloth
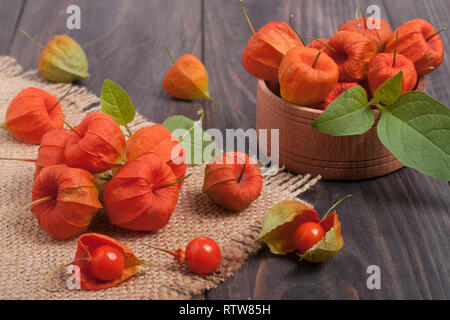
point(27, 252)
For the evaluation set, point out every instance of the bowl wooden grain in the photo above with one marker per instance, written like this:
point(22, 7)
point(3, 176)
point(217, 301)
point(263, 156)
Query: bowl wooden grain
point(304, 149)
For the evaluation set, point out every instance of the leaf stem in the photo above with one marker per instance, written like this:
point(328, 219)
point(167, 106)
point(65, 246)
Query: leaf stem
point(243, 168)
point(395, 50)
point(60, 99)
point(19, 159)
point(155, 188)
point(335, 205)
point(200, 112)
point(47, 276)
point(322, 43)
point(178, 254)
point(30, 205)
point(317, 59)
point(67, 124)
point(363, 15)
point(246, 17)
point(357, 16)
point(435, 34)
point(291, 21)
point(40, 45)
point(170, 55)
point(128, 130)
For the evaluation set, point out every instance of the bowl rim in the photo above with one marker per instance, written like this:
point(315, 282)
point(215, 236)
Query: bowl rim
point(316, 112)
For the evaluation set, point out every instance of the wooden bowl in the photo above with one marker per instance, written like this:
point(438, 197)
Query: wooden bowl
point(304, 149)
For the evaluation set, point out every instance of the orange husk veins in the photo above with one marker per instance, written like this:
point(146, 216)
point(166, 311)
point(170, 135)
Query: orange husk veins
point(51, 149)
point(158, 139)
point(379, 36)
point(303, 84)
point(87, 243)
point(187, 79)
point(266, 48)
point(340, 88)
point(413, 44)
point(75, 201)
point(97, 145)
point(354, 52)
point(221, 181)
point(318, 44)
point(381, 69)
point(129, 199)
point(31, 114)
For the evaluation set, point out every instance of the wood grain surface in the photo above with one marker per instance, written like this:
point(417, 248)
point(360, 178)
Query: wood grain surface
point(400, 222)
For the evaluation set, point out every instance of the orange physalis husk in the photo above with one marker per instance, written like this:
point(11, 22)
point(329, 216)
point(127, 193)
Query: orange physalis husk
point(266, 48)
point(306, 76)
point(51, 149)
point(97, 144)
point(31, 114)
point(382, 68)
point(418, 41)
point(72, 200)
point(340, 88)
point(87, 243)
point(378, 36)
point(141, 196)
point(232, 181)
point(353, 53)
point(187, 79)
point(282, 220)
point(158, 139)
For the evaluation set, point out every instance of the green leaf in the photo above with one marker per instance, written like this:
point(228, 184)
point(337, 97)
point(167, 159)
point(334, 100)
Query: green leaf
point(390, 90)
point(416, 129)
point(281, 222)
point(348, 114)
point(199, 146)
point(116, 103)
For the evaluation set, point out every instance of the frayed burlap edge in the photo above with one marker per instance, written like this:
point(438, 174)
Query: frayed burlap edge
point(28, 252)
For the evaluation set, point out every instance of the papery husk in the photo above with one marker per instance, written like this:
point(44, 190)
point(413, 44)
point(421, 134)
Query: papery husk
point(300, 82)
point(413, 45)
point(63, 60)
point(129, 199)
point(221, 181)
point(31, 114)
point(330, 245)
point(378, 36)
point(75, 201)
point(51, 149)
point(266, 48)
point(187, 79)
point(354, 52)
point(158, 139)
point(100, 147)
point(87, 243)
point(381, 69)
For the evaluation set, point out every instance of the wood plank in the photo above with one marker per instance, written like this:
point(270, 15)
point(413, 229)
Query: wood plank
point(10, 14)
point(124, 41)
point(397, 222)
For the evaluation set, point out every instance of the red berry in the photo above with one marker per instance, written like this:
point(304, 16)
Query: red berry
point(203, 255)
point(307, 235)
point(108, 263)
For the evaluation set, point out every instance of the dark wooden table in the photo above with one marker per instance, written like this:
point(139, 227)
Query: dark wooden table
point(400, 222)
